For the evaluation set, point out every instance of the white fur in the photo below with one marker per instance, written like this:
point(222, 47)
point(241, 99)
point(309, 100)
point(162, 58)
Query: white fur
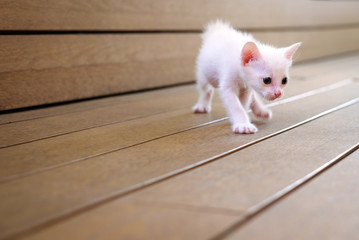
point(220, 65)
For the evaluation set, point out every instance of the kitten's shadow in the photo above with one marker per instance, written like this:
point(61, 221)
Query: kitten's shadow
point(258, 121)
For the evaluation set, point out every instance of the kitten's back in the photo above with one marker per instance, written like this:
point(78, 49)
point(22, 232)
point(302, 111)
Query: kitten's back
point(216, 27)
point(221, 48)
point(221, 30)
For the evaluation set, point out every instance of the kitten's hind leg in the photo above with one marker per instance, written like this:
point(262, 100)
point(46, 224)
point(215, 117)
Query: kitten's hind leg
point(259, 109)
point(205, 90)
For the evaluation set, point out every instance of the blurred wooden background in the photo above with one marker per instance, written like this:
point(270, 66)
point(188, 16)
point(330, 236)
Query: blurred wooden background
point(56, 51)
point(142, 165)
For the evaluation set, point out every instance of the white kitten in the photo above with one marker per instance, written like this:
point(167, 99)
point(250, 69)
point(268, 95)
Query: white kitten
point(237, 64)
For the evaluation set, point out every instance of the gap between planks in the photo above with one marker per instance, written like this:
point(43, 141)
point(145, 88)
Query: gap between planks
point(82, 105)
point(287, 100)
point(318, 27)
point(284, 101)
point(134, 188)
point(275, 198)
point(77, 106)
point(171, 174)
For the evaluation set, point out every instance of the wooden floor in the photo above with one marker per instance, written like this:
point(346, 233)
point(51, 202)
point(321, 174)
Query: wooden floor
point(142, 166)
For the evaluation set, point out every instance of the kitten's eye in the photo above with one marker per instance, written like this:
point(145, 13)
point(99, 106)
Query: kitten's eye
point(284, 81)
point(267, 80)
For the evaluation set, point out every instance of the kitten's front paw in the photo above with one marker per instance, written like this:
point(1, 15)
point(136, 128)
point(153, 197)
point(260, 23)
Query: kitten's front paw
point(244, 128)
point(263, 113)
point(200, 108)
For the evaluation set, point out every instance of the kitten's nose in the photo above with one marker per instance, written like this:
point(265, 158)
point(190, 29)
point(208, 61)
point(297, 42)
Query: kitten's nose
point(278, 94)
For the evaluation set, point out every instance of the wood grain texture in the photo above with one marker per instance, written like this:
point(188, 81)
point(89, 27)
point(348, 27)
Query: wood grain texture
point(116, 112)
point(252, 174)
point(203, 225)
point(47, 69)
point(313, 71)
point(71, 187)
point(324, 209)
point(152, 98)
point(164, 15)
point(73, 137)
point(320, 67)
point(69, 172)
point(43, 69)
point(247, 181)
point(78, 146)
point(107, 113)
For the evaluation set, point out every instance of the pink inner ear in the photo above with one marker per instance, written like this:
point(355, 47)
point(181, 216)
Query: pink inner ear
point(289, 53)
point(291, 50)
point(247, 57)
point(250, 52)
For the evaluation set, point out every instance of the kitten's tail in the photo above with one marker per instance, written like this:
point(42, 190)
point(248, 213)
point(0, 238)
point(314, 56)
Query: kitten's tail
point(215, 27)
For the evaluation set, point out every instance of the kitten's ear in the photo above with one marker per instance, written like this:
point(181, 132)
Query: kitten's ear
point(250, 52)
point(289, 51)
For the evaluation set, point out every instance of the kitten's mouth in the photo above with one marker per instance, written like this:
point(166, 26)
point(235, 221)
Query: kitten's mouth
point(271, 97)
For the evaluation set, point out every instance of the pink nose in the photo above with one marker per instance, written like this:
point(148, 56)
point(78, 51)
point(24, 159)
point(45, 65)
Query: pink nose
point(278, 94)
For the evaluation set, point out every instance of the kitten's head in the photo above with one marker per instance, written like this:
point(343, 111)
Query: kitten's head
point(266, 70)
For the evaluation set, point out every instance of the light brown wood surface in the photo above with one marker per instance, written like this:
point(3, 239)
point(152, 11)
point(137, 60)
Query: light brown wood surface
point(113, 113)
point(226, 187)
point(52, 68)
point(317, 69)
point(164, 15)
point(44, 69)
point(154, 102)
point(127, 226)
point(324, 209)
point(70, 147)
point(93, 172)
point(127, 46)
point(251, 175)
point(106, 160)
point(74, 124)
point(54, 52)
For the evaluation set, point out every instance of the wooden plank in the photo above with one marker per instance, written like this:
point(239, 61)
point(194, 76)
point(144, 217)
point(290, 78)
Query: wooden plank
point(319, 67)
point(43, 69)
point(150, 97)
point(52, 51)
point(231, 184)
point(257, 172)
point(66, 149)
point(123, 110)
point(41, 128)
point(316, 44)
point(313, 70)
point(202, 225)
point(325, 208)
point(76, 186)
point(78, 146)
point(164, 15)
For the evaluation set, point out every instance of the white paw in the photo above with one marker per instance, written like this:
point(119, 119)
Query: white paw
point(264, 113)
point(245, 128)
point(200, 108)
